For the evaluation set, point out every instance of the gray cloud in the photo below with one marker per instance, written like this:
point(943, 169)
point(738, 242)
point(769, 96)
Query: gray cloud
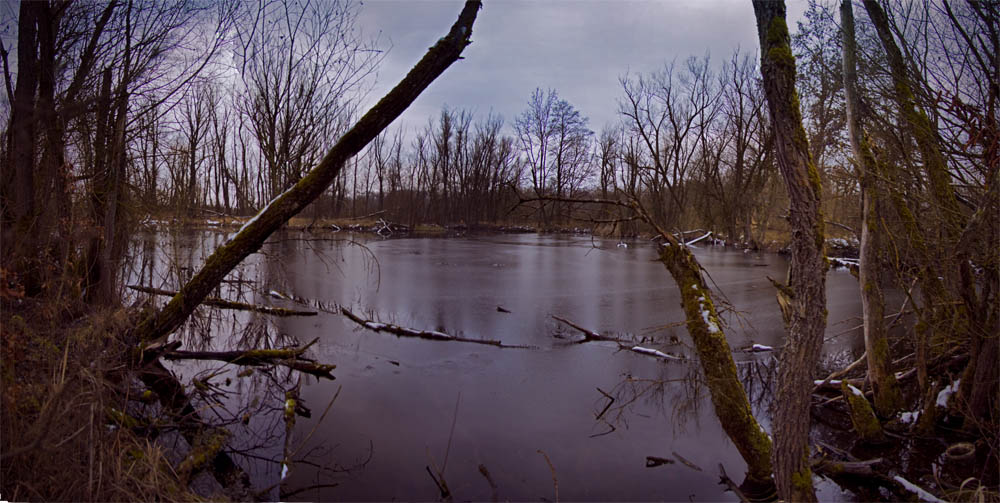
point(578, 47)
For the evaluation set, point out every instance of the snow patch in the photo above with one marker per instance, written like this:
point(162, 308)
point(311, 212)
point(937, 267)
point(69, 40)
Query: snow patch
point(761, 347)
point(695, 240)
point(261, 212)
point(856, 391)
point(276, 294)
point(909, 417)
point(915, 489)
point(835, 382)
point(945, 394)
point(653, 352)
point(374, 326)
point(284, 471)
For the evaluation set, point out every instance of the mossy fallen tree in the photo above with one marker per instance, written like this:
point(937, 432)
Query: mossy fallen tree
point(702, 320)
point(229, 304)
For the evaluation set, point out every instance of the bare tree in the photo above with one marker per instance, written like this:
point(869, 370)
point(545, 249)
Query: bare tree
point(158, 325)
point(300, 62)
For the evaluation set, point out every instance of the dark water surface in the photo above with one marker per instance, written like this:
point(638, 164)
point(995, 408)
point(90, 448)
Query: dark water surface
point(408, 404)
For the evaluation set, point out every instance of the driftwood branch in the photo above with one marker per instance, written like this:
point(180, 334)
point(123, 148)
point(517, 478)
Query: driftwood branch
point(229, 304)
point(433, 335)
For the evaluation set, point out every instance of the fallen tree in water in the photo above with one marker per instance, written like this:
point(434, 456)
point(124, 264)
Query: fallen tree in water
point(433, 335)
point(229, 304)
point(706, 330)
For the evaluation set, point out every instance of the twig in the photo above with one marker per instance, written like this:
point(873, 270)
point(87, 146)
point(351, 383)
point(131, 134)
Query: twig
point(489, 480)
point(724, 479)
point(611, 400)
point(686, 462)
point(842, 372)
point(555, 481)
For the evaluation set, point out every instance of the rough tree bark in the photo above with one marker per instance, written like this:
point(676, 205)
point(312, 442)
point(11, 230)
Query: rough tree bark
point(156, 326)
point(888, 398)
point(944, 314)
point(807, 273)
point(20, 203)
point(725, 388)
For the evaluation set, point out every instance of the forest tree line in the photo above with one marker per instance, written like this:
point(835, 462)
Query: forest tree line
point(886, 131)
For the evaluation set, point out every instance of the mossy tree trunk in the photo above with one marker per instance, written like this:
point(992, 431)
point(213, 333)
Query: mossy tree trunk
point(888, 398)
point(158, 325)
point(944, 264)
point(807, 273)
point(725, 388)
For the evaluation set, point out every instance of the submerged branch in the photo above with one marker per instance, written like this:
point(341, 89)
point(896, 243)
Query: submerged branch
point(229, 304)
point(433, 335)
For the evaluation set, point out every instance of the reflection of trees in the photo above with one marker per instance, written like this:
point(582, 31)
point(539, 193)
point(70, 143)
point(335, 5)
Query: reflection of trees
point(678, 393)
point(249, 402)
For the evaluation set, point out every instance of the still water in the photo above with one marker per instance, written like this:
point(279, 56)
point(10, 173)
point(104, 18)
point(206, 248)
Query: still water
point(554, 420)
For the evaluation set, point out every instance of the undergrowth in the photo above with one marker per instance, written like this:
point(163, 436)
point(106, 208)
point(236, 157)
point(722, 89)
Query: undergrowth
point(63, 373)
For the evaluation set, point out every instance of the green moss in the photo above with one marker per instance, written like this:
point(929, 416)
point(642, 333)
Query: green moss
point(802, 480)
point(207, 445)
point(728, 397)
point(863, 417)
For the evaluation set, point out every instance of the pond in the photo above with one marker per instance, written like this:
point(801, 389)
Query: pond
point(553, 419)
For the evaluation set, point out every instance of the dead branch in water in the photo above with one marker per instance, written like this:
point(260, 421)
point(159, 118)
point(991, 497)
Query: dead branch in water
point(290, 357)
point(229, 304)
point(433, 335)
point(253, 357)
point(588, 335)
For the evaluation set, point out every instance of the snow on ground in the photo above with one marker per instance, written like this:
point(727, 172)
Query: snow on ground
point(945, 394)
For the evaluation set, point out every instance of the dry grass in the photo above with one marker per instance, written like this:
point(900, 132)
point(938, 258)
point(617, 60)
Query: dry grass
point(61, 376)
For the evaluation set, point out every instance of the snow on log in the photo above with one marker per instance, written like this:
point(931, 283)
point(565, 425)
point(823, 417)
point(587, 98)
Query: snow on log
point(420, 334)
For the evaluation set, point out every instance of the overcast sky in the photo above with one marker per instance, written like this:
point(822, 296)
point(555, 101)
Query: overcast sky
point(578, 47)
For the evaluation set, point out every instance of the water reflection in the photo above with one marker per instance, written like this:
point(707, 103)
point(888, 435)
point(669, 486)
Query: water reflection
point(398, 411)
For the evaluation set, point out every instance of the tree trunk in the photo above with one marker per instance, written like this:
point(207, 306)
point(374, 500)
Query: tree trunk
point(807, 274)
point(725, 388)
point(888, 399)
point(21, 160)
point(158, 325)
point(944, 314)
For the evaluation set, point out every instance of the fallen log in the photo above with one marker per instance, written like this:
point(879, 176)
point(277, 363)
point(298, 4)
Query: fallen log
point(291, 358)
point(229, 304)
point(830, 467)
point(433, 335)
